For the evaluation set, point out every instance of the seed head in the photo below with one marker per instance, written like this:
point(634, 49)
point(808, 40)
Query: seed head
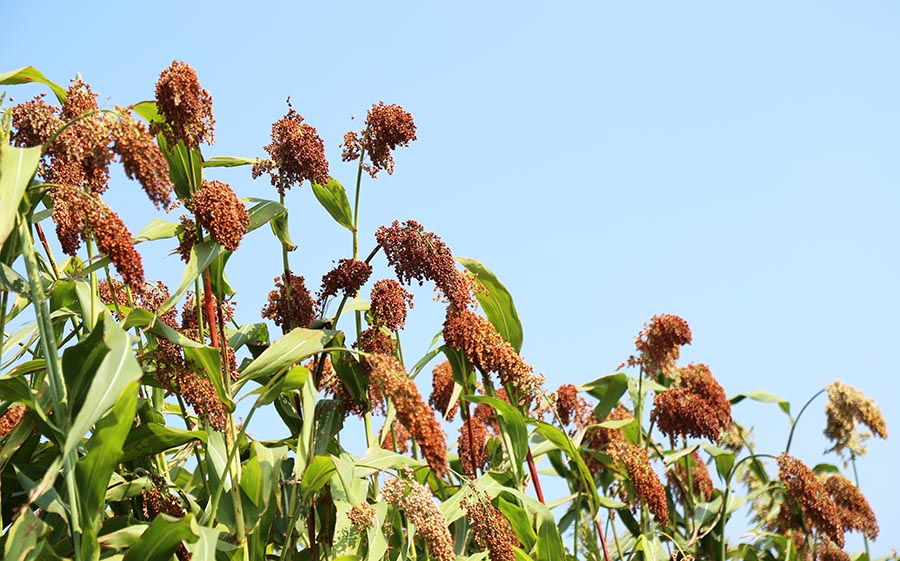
point(472, 441)
point(847, 407)
point(141, 158)
point(852, 507)
point(296, 311)
point(699, 476)
point(647, 486)
point(659, 344)
point(696, 406)
point(297, 153)
point(34, 122)
point(804, 492)
point(114, 239)
point(397, 439)
point(431, 524)
point(387, 126)
point(186, 107)
point(218, 209)
point(492, 530)
point(389, 302)
point(827, 551)
point(11, 419)
point(362, 516)
point(346, 279)
point(442, 390)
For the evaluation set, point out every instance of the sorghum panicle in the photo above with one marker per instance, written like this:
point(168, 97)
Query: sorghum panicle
point(185, 105)
point(806, 493)
point(442, 390)
point(34, 122)
point(853, 509)
point(389, 304)
point(114, 239)
point(141, 158)
point(345, 279)
point(218, 209)
point(387, 126)
point(659, 344)
point(846, 407)
point(431, 524)
point(397, 439)
point(647, 486)
point(472, 441)
point(300, 311)
point(11, 419)
point(699, 477)
point(696, 406)
point(297, 153)
point(491, 529)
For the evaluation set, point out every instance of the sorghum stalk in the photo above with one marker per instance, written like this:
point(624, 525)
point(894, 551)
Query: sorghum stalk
point(856, 480)
point(794, 422)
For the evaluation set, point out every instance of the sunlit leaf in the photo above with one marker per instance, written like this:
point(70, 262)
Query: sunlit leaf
point(292, 348)
point(17, 167)
point(496, 302)
point(30, 74)
point(763, 396)
point(333, 197)
point(228, 162)
point(162, 538)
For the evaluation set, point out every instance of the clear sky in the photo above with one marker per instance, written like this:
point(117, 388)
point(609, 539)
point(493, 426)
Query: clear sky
point(737, 164)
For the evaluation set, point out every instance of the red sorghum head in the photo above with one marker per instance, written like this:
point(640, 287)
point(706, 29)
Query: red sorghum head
point(491, 529)
point(297, 153)
point(387, 126)
point(141, 158)
point(804, 492)
point(659, 344)
point(389, 304)
point(647, 486)
point(345, 279)
point(186, 107)
point(442, 390)
point(219, 211)
point(696, 406)
point(288, 313)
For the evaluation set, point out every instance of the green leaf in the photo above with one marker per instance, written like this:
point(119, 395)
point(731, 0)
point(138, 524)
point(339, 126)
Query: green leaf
point(292, 380)
point(292, 348)
point(29, 74)
point(379, 459)
point(117, 370)
point(210, 362)
point(24, 535)
point(12, 281)
point(674, 457)
point(513, 423)
point(149, 111)
point(496, 302)
point(608, 389)
point(282, 232)
point(148, 321)
point(15, 388)
point(724, 459)
point(549, 542)
point(162, 538)
point(519, 520)
point(17, 167)
point(317, 474)
point(93, 471)
point(329, 421)
point(202, 254)
point(333, 197)
point(258, 477)
point(228, 162)
point(263, 211)
point(153, 438)
point(764, 396)
point(204, 549)
point(158, 229)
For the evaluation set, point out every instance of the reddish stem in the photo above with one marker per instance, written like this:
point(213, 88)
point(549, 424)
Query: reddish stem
point(210, 310)
point(311, 524)
point(471, 442)
point(602, 539)
point(534, 476)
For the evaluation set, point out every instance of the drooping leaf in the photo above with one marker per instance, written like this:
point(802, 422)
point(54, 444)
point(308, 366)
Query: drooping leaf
point(317, 474)
point(496, 302)
point(263, 211)
point(281, 230)
point(210, 362)
point(724, 459)
point(157, 229)
point(513, 423)
point(17, 167)
point(334, 199)
point(608, 389)
point(763, 396)
point(12, 281)
point(29, 74)
point(152, 438)
point(228, 162)
point(23, 536)
point(292, 348)
point(162, 538)
point(202, 254)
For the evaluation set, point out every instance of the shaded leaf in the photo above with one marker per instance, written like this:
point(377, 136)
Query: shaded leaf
point(290, 349)
point(157, 229)
point(609, 390)
point(153, 438)
point(514, 428)
point(162, 538)
point(317, 474)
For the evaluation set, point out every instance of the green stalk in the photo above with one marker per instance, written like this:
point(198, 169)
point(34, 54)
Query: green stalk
point(287, 276)
point(54, 368)
point(95, 301)
point(800, 414)
point(856, 479)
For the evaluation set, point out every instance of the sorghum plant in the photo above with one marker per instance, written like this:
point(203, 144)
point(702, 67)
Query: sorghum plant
point(118, 433)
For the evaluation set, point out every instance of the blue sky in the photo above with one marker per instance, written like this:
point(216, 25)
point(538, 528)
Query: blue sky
point(735, 164)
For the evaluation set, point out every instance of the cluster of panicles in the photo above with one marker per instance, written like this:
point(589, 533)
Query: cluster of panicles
point(846, 407)
point(331, 384)
point(34, 122)
point(362, 516)
point(218, 209)
point(186, 107)
point(397, 439)
point(696, 406)
point(414, 499)
point(387, 126)
point(375, 341)
point(486, 349)
point(597, 438)
point(659, 344)
point(161, 502)
point(647, 486)
point(81, 154)
point(491, 529)
point(806, 494)
point(187, 238)
point(297, 153)
point(190, 311)
point(345, 279)
point(420, 255)
point(179, 376)
point(473, 436)
point(571, 407)
point(141, 158)
point(290, 305)
point(854, 510)
point(412, 411)
point(486, 414)
point(389, 304)
point(11, 419)
point(701, 482)
point(148, 296)
point(442, 390)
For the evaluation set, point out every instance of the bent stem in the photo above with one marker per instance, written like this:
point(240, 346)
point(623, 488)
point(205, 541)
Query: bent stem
point(800, 414)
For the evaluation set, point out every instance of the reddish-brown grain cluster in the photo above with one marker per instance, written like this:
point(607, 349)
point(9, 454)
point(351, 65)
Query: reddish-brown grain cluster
point(161, 502)
point(346, 279)
point(387, 126)
point(297, 309)
point(597, 438)
point(412, 411)
point(34, 122)
point(571, 407)
point(80, 154)
point(420, 255)
point(218, 210)
point(697, 475)
point(114, 239)
point(473, 436)
point(491, 529)
point(659, 344)
point(389, 304)
point(647, 486)
point(11, 418)
point(696, 406)
point(442, 390)
point(297, 153)
point(141, 158)
point(415, 500)
point(827, 551)
point(486, 349)
point(397, 438)
point(185, 105)
point(806, 494)
point(853, 509)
